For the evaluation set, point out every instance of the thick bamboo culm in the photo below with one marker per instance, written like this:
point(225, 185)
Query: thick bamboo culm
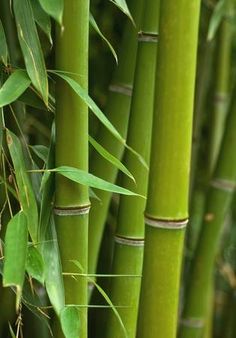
point(118, 108)
point(219, 199)
point(72, 202)
point(167, 202)
point(129, 239)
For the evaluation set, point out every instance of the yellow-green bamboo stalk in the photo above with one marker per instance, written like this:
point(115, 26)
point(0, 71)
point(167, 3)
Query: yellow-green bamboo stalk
point(218, 202)
point(118, 108)
point(72, 203)
point(129, 239)
point(167, 203)
point(222, 88)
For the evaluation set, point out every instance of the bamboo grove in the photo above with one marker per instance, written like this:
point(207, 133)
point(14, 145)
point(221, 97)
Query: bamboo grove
point(117, 169)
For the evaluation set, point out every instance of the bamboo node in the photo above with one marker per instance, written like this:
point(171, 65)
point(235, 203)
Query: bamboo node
point(148, 37)
point(223, 184)
point(129, 241)
point(166, 224)
point(124, 89)
point(72, 211)
point(197, 323)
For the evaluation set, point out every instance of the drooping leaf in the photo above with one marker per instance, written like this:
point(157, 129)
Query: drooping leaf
point(216, 18)
point(15, 254)
point(110, 158)
point(54, 8)
point(25, 190)
point(122, 5)
point(3, 45)
point(90, 180)
point(11, 331)
point(42, 18)
point(70, 322)
point(41, 151)
point(97, 29)
point(35, 264)
point(30, 46)
point(14, 87)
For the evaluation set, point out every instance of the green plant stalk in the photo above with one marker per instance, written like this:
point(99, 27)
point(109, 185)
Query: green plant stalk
point(219, 199)
point(129, 239)
point(118, 108)
point(72, 201)
point(222, 89)
point(167, 203)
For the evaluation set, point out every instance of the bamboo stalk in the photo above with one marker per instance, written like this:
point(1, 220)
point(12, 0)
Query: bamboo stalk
point(218, 202)
point(118, 108)
point(167, 203)
point(129, 239)
point(72, 202)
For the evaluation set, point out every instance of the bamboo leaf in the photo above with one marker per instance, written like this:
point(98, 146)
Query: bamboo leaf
point(91, 104)
point(54, 8)
point(11, 331)
point(30, 46)
point(3, 46)
point(15, 254)
point(42, 18)
point(41, 151)
point(216, 19)
point(97, 29)
point(14, 87)
point(110, 158)
point(35, 264)
point(85, 178)
point(70, 321)
point(25, 190)
point(122, 5)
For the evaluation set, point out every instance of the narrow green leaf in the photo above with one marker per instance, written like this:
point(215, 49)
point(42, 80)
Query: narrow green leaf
point(15, 254)
point(97, 29)
point(42, 19)
point(41, 151)
point(3, 46)
point(85, 178)
point(35, 264)
point(91, 104)
point(54, 8)
point(14, 87)
point(25, 190)
point(30, 46)
point(216, 19)
point(122, 5)
point(70, 322)
point(110, 158)
point(11, 331)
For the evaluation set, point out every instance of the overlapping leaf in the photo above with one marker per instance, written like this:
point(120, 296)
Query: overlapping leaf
point(3, 46)
point(54, 8)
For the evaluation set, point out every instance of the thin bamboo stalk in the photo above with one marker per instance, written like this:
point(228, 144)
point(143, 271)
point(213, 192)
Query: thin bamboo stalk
point(72, 202)
point(118, 108)
point(129, 239)
point(222, 89)
point(167, 203)
point(219, 198)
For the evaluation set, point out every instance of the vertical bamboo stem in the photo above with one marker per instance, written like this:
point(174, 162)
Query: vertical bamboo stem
point(218, 201)
point(167, 203)
point(118, 108)
point(72, 202)
point(129, 239)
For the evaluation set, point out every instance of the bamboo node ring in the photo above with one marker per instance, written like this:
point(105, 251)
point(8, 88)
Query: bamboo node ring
point(147, 36)
point(129, 241)
point(72, 211)
point(166, 224)
point(223, 184)
point(197, 323)
point(124, 89)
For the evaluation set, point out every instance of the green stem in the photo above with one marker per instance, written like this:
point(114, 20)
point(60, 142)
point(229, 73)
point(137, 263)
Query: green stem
point(167, 202)
point(72, 149)
point(219, 199)
point(129, 239)
point(118, 108)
